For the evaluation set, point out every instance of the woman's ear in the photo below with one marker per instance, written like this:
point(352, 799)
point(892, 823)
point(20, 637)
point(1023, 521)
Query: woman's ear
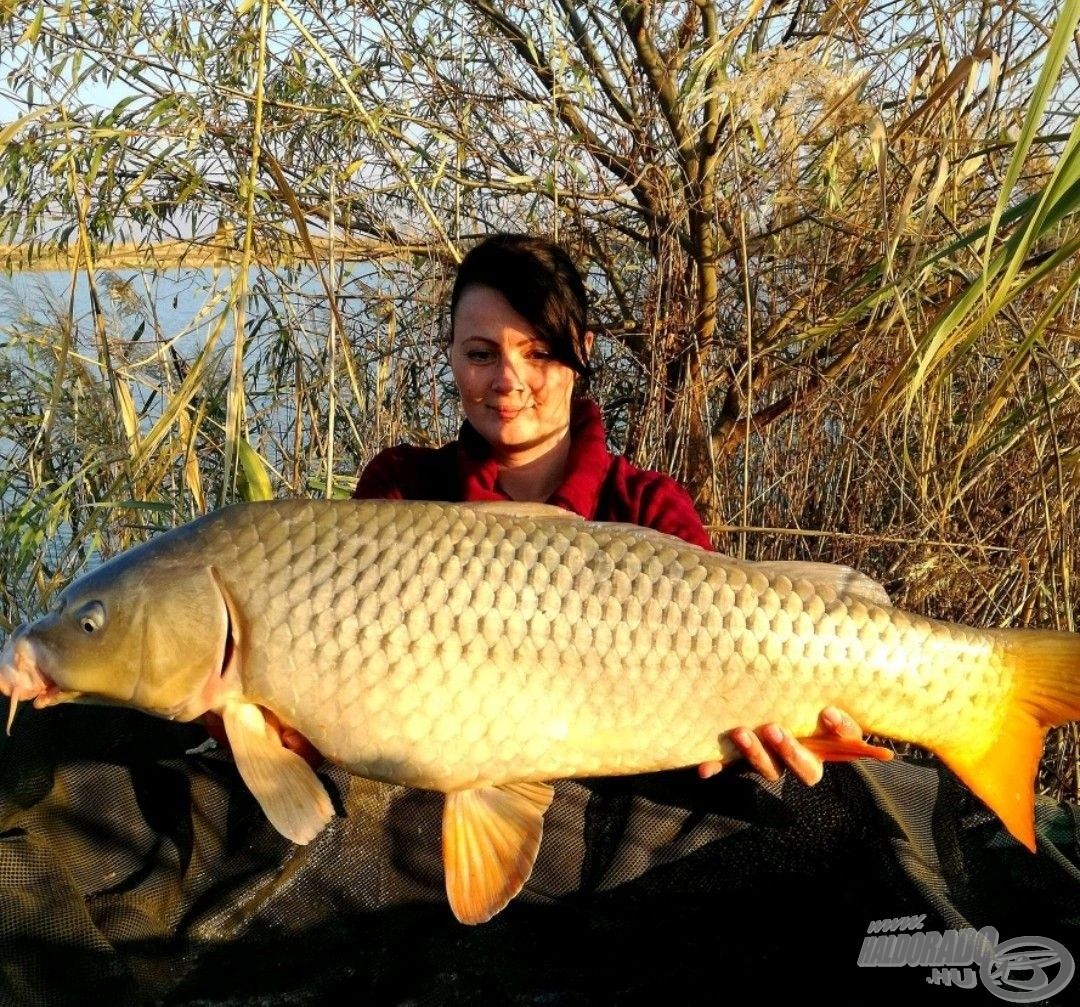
point(589, 336)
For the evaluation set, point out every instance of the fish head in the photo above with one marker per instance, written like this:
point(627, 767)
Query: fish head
point(136, 632)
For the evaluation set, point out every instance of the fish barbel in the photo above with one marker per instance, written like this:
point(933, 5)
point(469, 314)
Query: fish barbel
point(485, 649)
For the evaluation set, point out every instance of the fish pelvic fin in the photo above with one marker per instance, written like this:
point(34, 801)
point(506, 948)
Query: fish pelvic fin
point(286, 787)
point(845, 749)
point(1046, 671)
point(491, 836)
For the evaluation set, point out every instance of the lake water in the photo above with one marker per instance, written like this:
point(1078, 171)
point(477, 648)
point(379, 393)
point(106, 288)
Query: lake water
point(178, 304)
point(155, 322)
point(175, 298)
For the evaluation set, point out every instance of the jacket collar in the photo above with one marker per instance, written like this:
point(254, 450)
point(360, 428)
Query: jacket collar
point(587, 464)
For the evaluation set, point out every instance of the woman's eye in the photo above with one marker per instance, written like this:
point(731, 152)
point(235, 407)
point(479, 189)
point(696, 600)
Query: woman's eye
point(479, 356)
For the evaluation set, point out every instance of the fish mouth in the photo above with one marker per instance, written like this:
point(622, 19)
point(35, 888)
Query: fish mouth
point(23, 678)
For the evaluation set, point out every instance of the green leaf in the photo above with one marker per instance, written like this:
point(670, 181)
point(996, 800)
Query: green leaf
point(1060, 43)
point(254, 481)
point(9, 131)
point(33, 30)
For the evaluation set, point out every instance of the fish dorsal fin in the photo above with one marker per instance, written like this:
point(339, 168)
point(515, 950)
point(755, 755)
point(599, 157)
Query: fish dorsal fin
point(522, 508)
point(491, 836)
point(549, 512)
point(285, 786)
point(845, 581)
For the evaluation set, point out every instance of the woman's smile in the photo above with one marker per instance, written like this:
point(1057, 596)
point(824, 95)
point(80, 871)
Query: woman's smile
point(508, 412)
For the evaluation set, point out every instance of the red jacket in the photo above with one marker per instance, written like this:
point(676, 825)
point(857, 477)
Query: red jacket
point(598, 486)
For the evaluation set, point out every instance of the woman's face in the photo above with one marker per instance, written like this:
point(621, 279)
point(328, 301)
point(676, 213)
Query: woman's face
point(515, 394)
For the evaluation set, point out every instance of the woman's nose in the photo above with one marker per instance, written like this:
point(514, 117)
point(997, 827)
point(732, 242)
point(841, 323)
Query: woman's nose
point(508, 376)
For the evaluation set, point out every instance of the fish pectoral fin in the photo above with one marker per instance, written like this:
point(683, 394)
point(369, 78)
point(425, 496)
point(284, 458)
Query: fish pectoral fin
point(286, 787)
point(491, 836)
point(845, 750)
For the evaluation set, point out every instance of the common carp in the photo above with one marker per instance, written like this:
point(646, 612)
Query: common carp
point(484, 650)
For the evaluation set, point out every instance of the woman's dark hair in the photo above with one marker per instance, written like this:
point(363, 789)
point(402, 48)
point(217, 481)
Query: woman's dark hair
point(542, 285)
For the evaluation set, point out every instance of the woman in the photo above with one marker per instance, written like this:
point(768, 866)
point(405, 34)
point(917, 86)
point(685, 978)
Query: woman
point(519, 348)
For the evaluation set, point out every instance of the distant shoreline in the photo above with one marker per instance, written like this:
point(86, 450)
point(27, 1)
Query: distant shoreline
point(162, 255)
point(192, 254)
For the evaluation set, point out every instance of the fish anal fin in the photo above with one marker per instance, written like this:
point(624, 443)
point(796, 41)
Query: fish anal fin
point(286, 787)
point(1045, 668)
point(845, 749)
point(491, 836)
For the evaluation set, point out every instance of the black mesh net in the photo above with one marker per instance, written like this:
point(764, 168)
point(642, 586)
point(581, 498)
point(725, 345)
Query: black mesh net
point(135, 870)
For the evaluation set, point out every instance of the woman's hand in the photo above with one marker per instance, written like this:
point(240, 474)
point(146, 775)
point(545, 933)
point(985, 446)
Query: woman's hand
point(771, 747)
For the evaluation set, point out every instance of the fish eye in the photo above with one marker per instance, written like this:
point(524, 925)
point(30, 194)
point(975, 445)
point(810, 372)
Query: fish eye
point(91, 617)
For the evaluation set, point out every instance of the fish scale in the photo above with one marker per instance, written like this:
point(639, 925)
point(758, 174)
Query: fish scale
point(603, 676)
point(482, 649)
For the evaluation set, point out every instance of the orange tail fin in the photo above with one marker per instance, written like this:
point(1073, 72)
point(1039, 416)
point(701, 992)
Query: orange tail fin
point(1046, 667)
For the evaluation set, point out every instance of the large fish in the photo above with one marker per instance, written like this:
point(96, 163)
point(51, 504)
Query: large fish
point(486, 649)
